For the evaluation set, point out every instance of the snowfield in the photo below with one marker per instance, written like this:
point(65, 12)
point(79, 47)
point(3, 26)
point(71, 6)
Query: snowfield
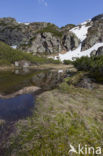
point(81, 30)
point(77, 53)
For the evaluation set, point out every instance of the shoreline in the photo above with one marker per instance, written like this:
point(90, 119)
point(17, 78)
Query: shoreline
point(39, 67)
point(25, 90)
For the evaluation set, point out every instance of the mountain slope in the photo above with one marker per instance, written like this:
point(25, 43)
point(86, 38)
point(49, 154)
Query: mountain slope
point(90, 34)
point(37, 38)
point(68, 42)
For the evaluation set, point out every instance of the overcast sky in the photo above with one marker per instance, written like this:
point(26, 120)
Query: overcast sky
point(59, 12)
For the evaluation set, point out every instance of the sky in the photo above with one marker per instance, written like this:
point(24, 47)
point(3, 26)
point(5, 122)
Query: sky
point(59, 12)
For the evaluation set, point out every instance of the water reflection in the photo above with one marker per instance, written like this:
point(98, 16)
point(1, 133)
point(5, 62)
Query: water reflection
point(16, 108)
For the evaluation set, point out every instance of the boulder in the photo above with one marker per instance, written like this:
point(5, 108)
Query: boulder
point(22, 63)
point(93, 53)
point(99, 52)
point(70, 41)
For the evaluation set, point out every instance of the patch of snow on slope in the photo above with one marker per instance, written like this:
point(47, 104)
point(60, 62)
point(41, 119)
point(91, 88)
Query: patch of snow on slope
point(81, 30)
point(26, 23)
point(14, 46)
point(77, 53)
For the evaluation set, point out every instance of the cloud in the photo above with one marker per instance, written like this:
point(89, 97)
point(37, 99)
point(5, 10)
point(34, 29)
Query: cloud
point(44, 2)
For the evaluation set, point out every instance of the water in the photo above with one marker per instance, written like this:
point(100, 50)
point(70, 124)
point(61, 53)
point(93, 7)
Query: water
point(16, 108)
point(19, 107)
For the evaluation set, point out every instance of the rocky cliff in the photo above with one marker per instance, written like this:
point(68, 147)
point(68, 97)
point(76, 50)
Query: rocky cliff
point(37, 38)
point(47, 38)
point(95, 33)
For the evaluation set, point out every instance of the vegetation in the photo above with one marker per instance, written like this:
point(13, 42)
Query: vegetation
point(67, 62)
point(58, 122)
point(93, 64)
point(68, 26)
point(52, 29)
point(9, 56)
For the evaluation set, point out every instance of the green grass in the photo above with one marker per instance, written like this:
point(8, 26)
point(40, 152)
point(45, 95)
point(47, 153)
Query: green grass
point(64, 116)
point(9, 56)
point(52, 29)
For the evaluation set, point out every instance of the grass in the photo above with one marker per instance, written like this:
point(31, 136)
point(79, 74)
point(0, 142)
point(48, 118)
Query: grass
point(63, 116)
point(9, 56)
point(52, 29)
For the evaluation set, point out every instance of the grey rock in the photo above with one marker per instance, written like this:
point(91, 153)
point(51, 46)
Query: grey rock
point(22, 63)
point(95, 33)
point(99, 52)
point(45, 43)
point(70, 41)
point(37, 38)
point(86, 83)
point(93, 53)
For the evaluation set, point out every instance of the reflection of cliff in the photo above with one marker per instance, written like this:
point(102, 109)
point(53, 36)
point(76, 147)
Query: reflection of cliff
point(47, 80)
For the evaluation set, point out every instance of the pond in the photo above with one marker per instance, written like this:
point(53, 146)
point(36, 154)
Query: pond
point(19, 107)
point(16, 108)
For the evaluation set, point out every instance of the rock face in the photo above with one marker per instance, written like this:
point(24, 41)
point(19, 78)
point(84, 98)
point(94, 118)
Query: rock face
point(46, 38)
point(37, 38)
point(44, 43)
point(49, 44)
point(95, 33)
point(70, 41)
point(99, 52)
point(14, 33)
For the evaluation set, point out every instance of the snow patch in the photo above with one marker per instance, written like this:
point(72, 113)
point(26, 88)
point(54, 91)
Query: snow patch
point(77, 53)
point(81, 30)
point(26, 23)
point(14, 46)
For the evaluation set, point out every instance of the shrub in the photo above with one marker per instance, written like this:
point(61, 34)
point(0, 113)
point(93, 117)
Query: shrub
point(93, 64)
point(67, 62)
point(52, 29)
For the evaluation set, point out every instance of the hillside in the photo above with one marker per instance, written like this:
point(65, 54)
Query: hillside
point(9, 56)
point(37, 38)
point(68, 42)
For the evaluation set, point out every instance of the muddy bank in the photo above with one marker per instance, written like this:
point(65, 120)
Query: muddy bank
point(25, 90)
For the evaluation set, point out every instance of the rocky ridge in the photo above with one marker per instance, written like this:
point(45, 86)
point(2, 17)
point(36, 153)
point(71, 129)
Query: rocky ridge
point(37, 37)
point(47, 38)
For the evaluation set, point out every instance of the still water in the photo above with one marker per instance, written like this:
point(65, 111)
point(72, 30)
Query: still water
point(19, 107)
point(16, 108)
